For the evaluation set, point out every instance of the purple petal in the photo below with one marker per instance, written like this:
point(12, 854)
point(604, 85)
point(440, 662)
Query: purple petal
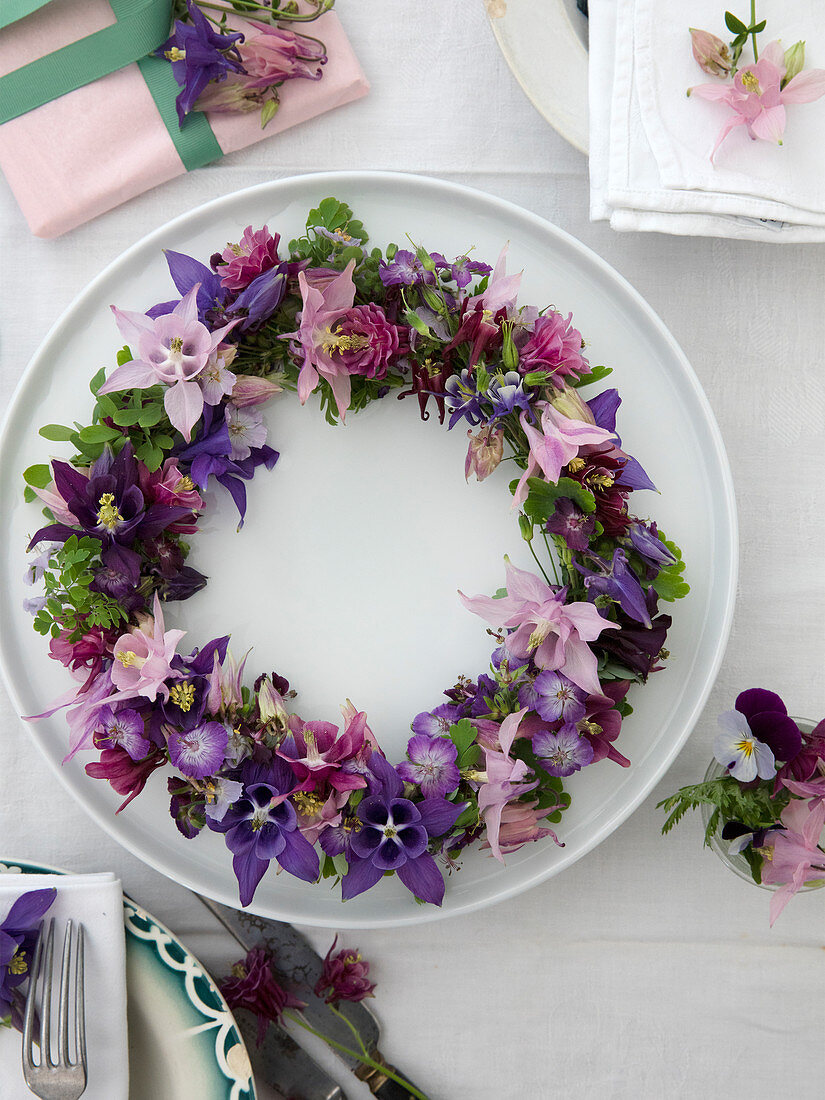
point(632, 476)
point(438, 815)
point(422, 878)
point(387, 775)
point(604, 408)
point(362, 875)
point(28, 909)
point(249, 870)
point(299, 857)
point(756, 700)
point(778, 731)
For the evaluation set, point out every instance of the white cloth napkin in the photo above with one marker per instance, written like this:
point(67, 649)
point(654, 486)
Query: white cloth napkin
point(650, 144)
point(97, 902)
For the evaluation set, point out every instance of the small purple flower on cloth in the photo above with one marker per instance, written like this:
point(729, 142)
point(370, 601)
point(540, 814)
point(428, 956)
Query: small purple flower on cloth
point(18, 936)
point(253, 986)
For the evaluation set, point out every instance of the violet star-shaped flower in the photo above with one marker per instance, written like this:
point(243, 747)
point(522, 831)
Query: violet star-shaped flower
point(198, 752)
point(18, 936)
point(562, 753)
point(199, 55)
point(618, 582)
point(431, 765)
point(437, 721)
point(558, 699)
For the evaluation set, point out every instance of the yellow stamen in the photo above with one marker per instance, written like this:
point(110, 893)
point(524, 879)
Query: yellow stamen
point(307, 804)
point(176, 344)
point(108, 516)
point(183, 695)
point(592, 728)
point(175, 54)
point(18, 963)
point(127, 658)
point(601, 481)
point(750, 83)
point(575, 464)
point(337, 341)
point(746, 747)
point(185, 485)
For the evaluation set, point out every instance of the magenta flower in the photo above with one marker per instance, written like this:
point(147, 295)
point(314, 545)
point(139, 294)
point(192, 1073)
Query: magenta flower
point(554, 345)
point(316, 753)
point(278, 54)
point(431, 765)
point(345, 977)
point(253, 986)
point(559, 441)
point(757, 97)
point(142, 658)
point(173, 350)
point(127, 776)
point(365, 341)
point(543, 627)
point(793, 856)
point(256, 252)
point(503, 781)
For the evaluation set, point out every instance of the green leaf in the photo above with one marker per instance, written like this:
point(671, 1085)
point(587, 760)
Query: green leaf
point(98, 381)
point(466, 819)
point(29, 495)
point(734, 25)
point(268, 111)
point(105, 406)
point(59, 433)
point(542, 496)
point(462, 734)
point(596, 375)
point(127, 418)
point(163, 440)
point(151, 415)
point(758, 27)
point(39, 475)
point(98, 433)
point(669, 585)
point(124, 355)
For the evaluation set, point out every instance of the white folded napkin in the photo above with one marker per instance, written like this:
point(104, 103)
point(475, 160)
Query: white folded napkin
point(650, 144)
point(97, 902)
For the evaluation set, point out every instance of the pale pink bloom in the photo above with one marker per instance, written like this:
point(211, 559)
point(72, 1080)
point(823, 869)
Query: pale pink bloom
point(142, 658)
point(503, 781)
point(315, 815)
point(520, 825)
point(321, 310)
point(502, 289)
point(484, 452)
point(792, 855)
point(711, 53)
point(246, 430)
point(278, 54)
point(553, 633)
point(224, 696)
point(216, 380)
point(559, 441)
point(757, 97)
point(249, 391)
point(173, 350)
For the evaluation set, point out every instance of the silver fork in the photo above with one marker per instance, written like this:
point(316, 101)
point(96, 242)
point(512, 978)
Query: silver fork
point(64, 1079)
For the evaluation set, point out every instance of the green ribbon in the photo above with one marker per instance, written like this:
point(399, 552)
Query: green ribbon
point(142, 26)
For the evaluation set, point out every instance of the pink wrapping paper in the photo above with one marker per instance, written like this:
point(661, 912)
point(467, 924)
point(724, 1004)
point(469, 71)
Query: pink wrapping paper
point(98, 146)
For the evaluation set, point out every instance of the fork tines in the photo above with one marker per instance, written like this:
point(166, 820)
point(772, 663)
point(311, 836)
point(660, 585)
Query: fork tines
point(65, 1077)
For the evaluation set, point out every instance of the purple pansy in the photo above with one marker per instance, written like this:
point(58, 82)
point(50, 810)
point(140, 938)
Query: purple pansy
point(431, 765)
point(574, 525)
point(769, 721)
point(198, 55)
point(200, 751)
point(562, 753)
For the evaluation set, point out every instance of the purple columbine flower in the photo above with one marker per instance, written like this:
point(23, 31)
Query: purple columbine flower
point(431, 765)
point(506, 394)
point(574, 526)
point(344, 977)
point(200, 751)
point(253, 986)
point(557, 698)
point(436, 722)
point(464, 399)
point(648, 545)
point(18, 936)
point(261, 298)
point(617, 581)
point(187, 272)
point(394, 836)
point(198, 55)
point(562, 753)
point(124, 728)
point(262, 825)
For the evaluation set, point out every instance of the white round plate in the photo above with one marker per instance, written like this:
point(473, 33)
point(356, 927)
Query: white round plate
point(545, 45)
point(183, 1040)
point(344, 578)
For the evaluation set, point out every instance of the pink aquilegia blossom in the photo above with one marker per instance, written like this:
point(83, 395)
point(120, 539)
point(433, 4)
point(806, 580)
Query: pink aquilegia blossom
point(520, 825)
point(559, 441)
point(792, 855)
point(216, 380)
point(543, 627)
point(255, 253)
point(484, 453)
point(173, 350)
point(554, 345)
point(224, 695)
point(142, 658)
point(503, 781)
point(757, 97)
point(316, 753)
point(278, 54)
point(249, 390)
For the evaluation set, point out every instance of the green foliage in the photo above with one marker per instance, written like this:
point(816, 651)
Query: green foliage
point(70, 603)
point(596, 375)
point(669, 584)
point(542, 496)
point(754, 807)
point(463, 736)
point(335, 217)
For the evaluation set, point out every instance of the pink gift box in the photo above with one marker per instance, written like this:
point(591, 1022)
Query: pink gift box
point(104, 143)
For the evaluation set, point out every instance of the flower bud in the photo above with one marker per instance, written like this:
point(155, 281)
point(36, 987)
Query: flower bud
point(249, 390)
point(509, 352)
point(711, 53)
point(794, 61)
point(270, 703)
point(484, 453)
point(526, 528)
point(570, 404)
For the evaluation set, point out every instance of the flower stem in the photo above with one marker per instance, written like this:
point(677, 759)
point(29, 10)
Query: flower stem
point(275, 15)
point(365, 1058)
point(753, 24)
point(352, 1028)
point(538, 563)
point(551, 556)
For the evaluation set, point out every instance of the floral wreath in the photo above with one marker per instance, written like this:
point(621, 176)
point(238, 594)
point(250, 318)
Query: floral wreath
point(181, 411)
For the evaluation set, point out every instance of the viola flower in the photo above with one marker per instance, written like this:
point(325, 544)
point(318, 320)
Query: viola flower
point(246, 431)
point(431, 765)
point(558, 699)
point(618, 582)
point(543, 627)
point(564, 752)
point(241, 263)
point(142, 658)
point(484, 453)
point(124, 728)
point(502, 781)
point(395, 835)
point(769, 721)
point(173, 349)
point(437, 722)
point(758, 98)
point(253, 986)
point(199, 54)
point(793, 855)
point(574, 526)
point(216, 380)
point(278, 54)
point(552, 448)
point(554, 345)
point(18, 937)
point(262, 826)
point(739, 751)
point(198, 752)
point(344, 977)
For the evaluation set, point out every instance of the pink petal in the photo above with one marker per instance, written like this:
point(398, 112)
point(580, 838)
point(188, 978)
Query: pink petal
point(219, 333)
point(307, 380)
point(774, 53)
point(718, 92)
point(184, 404)
point(812, 830)
point(341, 388)
point(508, 729)
point(550, 452)
point(340, 294)
point(131, 324)
point(520, 494)
point(734, 120)
point(805, 87)
point(187, 307)
point(495, 612)
point(133, 375)
point(770, 124)
point(580, 665)
point(784, 894)
point(523, 585)
point(588, 622)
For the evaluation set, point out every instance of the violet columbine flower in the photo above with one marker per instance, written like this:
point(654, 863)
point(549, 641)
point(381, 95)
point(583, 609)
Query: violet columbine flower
point(437, 722)
point(261, 298)
point(574, 526)
point(262, 826)
point(199, 54)
point(502, 780)
point(198, 752)
point(544, 627)
point(124, 728)
point(431, 765)
point(645, 540)
point(484, 453)
point(506, 394)
point(555, 346)
point(344, 977)
point(18, 937)
point(562, 753)
point(463, 398)
point(757, 96)
point(550, 449)
point(736, 748)
point(395, 835)
point(316, 754)
point(257, 251)
point(278, 54)
point(247, 431)
point(558, 699)
point(142, 658)
point(253, 986)
point(618, 582)
point(794, 855)
point(173, 349)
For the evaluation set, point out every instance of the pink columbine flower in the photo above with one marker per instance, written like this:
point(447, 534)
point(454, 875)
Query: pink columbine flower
point(543, 627)
point(322, 309)
point(503, 781)
point(224, 696)
point(142, 658)
point(278, 54)
point(793, 856)
point(757, 97)
point(249, 391)
point(315, 813)
point(256, 252)
point(559, 441)
point(316, 753)
point(173, 350)
point(520, 825)
point(484, 452)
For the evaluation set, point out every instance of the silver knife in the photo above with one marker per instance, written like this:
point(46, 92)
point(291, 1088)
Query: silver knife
point(299, 967)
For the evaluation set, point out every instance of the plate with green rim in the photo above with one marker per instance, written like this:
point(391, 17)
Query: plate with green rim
point(183, 1039)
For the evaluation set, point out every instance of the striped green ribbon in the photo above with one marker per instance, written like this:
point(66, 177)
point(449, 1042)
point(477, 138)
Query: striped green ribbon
point(142, 25)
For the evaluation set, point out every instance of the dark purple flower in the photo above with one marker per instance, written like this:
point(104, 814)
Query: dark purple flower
point(395, 835)
point(557, 698)
point(464, 399)
point(127, 776)
point(617, 581)
point(554, 345)
point(200, 751)
point(262, 825)
point(253, 986)
point(186, 271)
point(344, 977)
point(18, 936)
point(186, 807)
point(261, 298)
point(562, 753)
point(336, 840)
point(123, 728)
point(198, 55)
point(431, 765)
point(574, 526)
point(770, 723)
point(636, 647)
point(436, 722)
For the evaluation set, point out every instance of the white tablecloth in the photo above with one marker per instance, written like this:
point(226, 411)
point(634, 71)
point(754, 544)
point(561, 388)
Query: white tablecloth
point(647, 969)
